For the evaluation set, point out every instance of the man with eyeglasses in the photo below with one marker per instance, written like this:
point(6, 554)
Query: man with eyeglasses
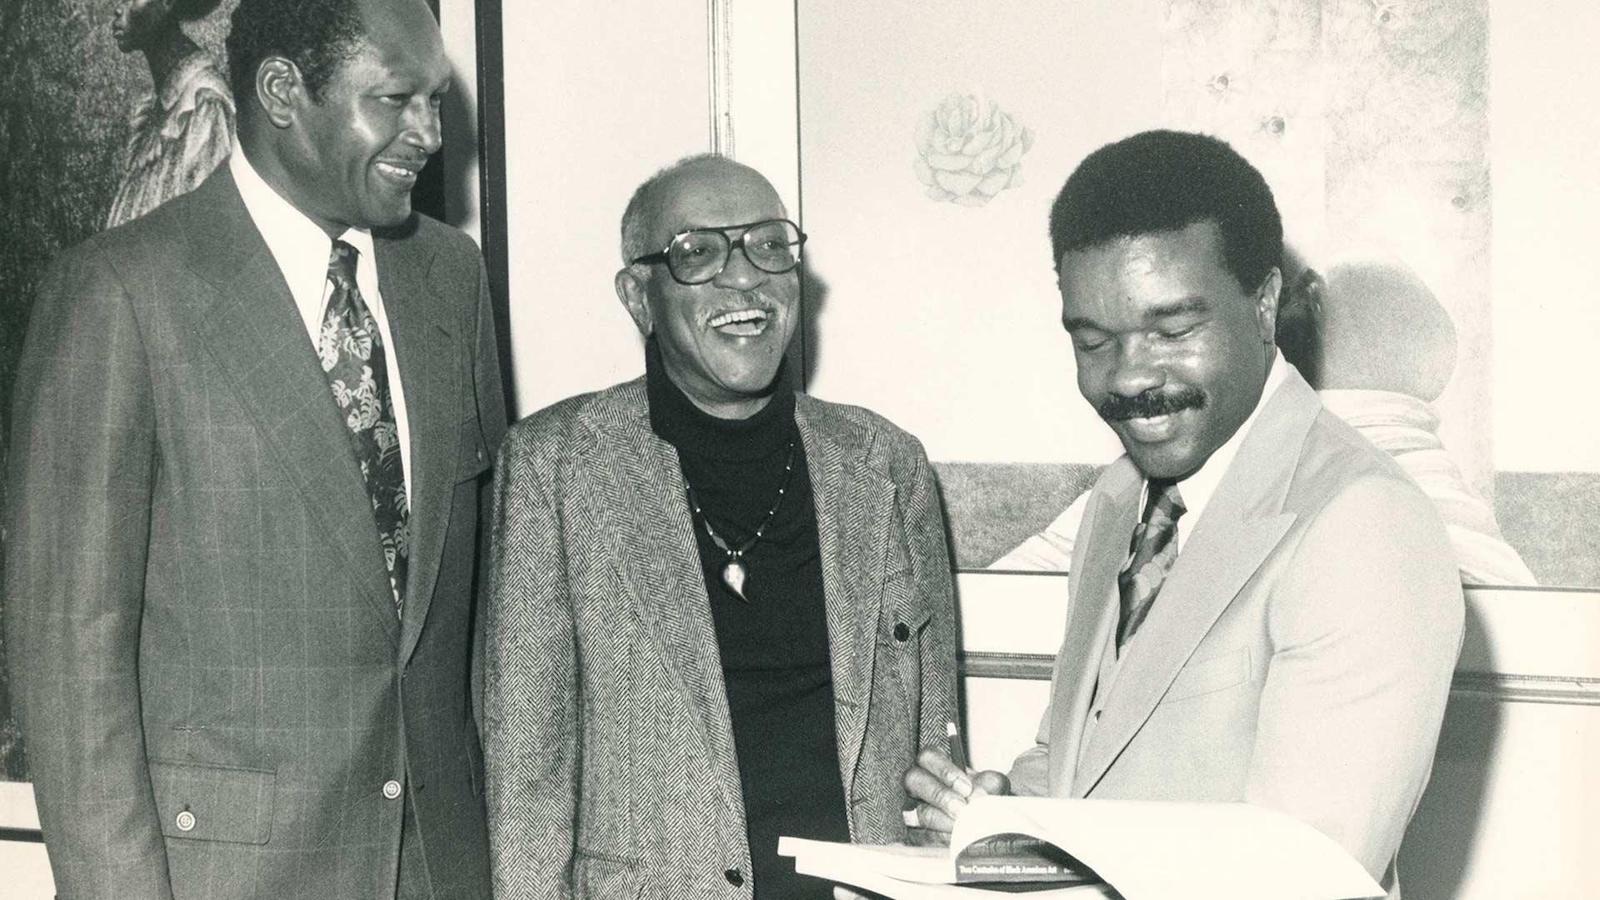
point(720, 610)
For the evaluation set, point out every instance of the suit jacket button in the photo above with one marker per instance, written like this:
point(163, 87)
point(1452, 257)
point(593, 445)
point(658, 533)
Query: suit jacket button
point(733, 876)
point(185, 821)
point(391, 789)
point(901, 632)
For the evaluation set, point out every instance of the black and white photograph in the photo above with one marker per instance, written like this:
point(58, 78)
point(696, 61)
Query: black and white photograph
point(470, 449)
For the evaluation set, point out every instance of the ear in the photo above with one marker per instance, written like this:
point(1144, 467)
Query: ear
point(280, 90)
point(1267, 305)
point(635, 299)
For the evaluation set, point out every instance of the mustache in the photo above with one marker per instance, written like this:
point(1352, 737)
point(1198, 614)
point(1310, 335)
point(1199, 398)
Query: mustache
point(1151, 403)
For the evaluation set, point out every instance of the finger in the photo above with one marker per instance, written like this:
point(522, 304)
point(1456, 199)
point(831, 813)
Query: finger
point(923, 785)
point(991, 782)
point(938, 763)
point(933, 818)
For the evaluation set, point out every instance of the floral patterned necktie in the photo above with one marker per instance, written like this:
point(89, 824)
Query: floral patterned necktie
point(351, 350)
point(1155, 549)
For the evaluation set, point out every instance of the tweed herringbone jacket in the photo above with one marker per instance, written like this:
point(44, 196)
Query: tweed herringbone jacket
point(610, 757)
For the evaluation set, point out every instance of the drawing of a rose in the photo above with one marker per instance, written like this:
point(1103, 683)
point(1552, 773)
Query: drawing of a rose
point(967, 151)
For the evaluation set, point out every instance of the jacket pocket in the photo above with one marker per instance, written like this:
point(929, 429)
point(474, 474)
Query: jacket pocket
point(594, 875)
point(213, 803)
point(904, 615)
point(1217, 672)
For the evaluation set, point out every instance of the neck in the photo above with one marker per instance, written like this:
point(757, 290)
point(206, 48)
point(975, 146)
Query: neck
point(742, 408)
point(165, 52)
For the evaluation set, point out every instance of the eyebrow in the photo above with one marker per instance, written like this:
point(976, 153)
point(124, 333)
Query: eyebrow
point(1185, 306)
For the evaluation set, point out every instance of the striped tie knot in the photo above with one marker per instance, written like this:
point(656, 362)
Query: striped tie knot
point(1153, 550)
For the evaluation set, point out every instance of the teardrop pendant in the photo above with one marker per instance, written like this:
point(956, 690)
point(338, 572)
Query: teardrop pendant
point(733, 575)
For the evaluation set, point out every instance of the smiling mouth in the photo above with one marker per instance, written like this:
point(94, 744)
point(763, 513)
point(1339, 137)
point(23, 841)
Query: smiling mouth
point(404, 173)
point(1150, 429)
point(741, 322)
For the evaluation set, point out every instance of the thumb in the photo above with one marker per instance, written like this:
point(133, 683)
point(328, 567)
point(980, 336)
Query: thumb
point(991, 782)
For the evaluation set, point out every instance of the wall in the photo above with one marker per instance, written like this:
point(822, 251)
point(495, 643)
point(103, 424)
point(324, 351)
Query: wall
point(1547, 218)
point(598, 96)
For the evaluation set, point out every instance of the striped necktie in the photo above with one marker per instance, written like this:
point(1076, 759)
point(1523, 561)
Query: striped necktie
point(1154, 548)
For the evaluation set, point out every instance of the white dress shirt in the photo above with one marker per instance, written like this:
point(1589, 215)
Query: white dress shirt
point(301, 249)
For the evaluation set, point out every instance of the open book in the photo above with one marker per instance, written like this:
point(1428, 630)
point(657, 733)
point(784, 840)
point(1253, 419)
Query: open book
point(1141, 849)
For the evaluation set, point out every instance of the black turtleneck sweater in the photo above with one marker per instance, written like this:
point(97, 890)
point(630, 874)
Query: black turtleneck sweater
point(774, 647)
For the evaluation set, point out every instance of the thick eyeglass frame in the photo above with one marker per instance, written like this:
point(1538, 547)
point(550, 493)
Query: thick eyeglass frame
point(664, 255)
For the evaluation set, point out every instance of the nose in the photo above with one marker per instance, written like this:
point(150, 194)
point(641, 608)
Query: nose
point(422, 125)
point(1135, 368)
point(739, 273)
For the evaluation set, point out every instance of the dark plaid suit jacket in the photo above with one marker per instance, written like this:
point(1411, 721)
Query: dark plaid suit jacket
point(610, 755)
point(214, 687)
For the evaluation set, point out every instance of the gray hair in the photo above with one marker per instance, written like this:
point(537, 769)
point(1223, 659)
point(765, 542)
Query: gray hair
point(636, 218)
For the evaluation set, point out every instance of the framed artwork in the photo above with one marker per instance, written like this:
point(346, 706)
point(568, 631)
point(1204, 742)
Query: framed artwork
point(926, 189)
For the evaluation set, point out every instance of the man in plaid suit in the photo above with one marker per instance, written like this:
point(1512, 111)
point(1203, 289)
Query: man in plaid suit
point(251, 434)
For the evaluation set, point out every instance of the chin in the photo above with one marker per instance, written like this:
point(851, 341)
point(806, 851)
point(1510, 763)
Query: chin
point(749, 384)
point(1162, 462)
point(389, 218)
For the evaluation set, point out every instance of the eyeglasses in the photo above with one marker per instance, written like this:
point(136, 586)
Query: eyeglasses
point(697, 256)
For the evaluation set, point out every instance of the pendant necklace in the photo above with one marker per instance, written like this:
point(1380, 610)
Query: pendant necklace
point(734, 571)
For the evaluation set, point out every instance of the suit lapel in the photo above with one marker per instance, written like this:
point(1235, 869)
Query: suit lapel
point(426, 352)
point(1238, 529)
point(854, 508)
point(259, 342)
point(640, 497)
point(1091, 613)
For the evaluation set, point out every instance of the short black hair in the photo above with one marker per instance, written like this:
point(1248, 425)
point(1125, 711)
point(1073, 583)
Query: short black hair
point(1158, 181)
point(189, 10)
point(316, 35)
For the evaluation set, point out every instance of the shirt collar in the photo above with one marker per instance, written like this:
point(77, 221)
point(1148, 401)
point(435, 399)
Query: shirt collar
point(298, 245)
point(1199, 487)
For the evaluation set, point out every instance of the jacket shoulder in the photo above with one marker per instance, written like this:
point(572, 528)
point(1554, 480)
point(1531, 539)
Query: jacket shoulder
point(444, 238)
point(549, 431)
point(883, 433)
point(1335, 457)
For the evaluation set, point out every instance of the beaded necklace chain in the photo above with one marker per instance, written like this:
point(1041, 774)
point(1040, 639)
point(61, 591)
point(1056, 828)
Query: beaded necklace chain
point(735, 571)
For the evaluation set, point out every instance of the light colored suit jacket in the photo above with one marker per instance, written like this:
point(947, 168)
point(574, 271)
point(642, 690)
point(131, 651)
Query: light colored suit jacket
point(1298, 656)
point(213, 684)
point(610, 754)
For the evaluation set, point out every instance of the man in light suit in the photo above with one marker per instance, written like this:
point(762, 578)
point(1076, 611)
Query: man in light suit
point(251, 434)
point(1264, 608)
point(720, 610)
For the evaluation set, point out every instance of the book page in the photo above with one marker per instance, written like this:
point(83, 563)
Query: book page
point(907, 873)
point(1153, 850)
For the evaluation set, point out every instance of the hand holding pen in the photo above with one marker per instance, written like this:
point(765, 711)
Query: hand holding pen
point(942, 783)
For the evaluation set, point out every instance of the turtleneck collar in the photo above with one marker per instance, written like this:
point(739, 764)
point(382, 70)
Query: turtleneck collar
point(675, 419)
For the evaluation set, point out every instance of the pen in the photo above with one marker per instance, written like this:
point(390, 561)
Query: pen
point(958, 755)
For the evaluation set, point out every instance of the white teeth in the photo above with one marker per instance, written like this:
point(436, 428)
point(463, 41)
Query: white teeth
point(396, 171)
point(738, 316)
